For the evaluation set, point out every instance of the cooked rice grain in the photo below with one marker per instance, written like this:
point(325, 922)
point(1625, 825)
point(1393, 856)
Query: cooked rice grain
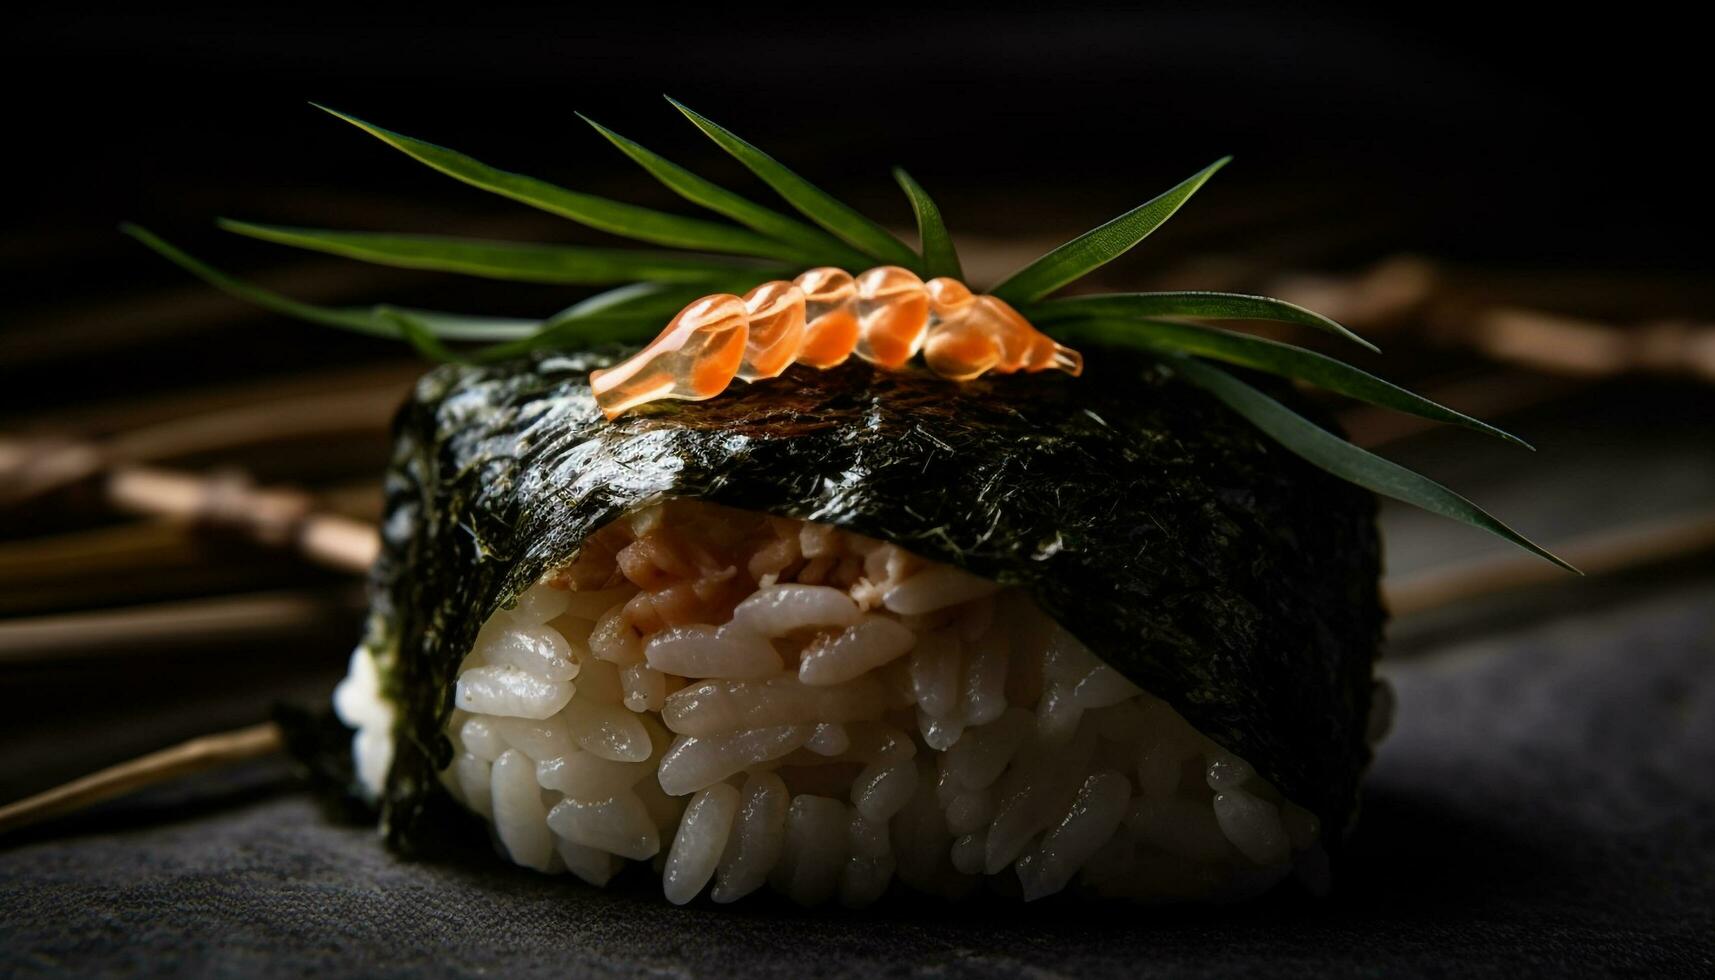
point(836, 713)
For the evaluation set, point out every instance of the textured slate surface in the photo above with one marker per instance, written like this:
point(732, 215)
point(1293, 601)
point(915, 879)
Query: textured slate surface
point(1546, 805)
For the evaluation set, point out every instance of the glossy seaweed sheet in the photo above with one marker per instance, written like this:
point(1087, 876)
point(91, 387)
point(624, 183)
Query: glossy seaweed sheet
point(1209, 565)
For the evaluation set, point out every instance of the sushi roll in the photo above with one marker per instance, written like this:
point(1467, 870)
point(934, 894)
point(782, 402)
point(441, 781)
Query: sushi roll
point(856, 627)
point(770, 602)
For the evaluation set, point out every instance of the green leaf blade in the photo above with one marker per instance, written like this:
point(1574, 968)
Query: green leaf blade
point(1276, 358)
point(940, 258)
point(1329, 452)
point(357, 321)
point(818, 245)
point(1193, 303)
point(1101, 245)
point(572, 331)
point(461, 326)
point(625, 220)
point(379, 321)
point(420, 335)
point(641, 299)
point(510, 261)
point(811, 201)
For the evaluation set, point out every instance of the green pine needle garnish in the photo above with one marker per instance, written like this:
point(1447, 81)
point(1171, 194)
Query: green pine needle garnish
point(1262, 354)
point(940, 258)
point(419, 334)
point(641, 308)
point(1341, 458)
point(515, 261)
point(811, 201)
point(624, 220)
point(1099, 246)
point(819, 247)
point(372, 321)
point(760, 244)
point(1199, 304)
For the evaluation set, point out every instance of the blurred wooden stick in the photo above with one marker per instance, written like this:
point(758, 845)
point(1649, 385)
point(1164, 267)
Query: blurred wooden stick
point(123, 562)
point(1571, 346)
point(279, 517)
point(220, 619)
point(184, 759)
point(99, 419)
point(30, 467)
point(1599, 553)
point(152, 558)
point(1406, 289)
point(128, 548)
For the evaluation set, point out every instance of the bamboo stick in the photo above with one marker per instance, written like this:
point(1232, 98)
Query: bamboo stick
point(131, 547)
point(362, 499)
point(1600, 553)
point(112, 563)
point(221, 619)
point(278, 517)
point(98, 418)
point(150, 553)
point(1582, 348)
point(31, 467)
point(187, 758)
point(1409, 290)
point(1382, 297)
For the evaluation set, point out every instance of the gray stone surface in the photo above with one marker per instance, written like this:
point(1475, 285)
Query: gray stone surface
point(1545, 806)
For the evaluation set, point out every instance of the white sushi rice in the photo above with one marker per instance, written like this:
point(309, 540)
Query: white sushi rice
point(750, 701)
point(359, 703)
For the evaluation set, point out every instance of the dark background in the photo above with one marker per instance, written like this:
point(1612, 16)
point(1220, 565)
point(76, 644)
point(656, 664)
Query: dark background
point(1467, 133)
point(1534, 119)
point(1544, 806)
point(1564, 137)
point(1484, 134)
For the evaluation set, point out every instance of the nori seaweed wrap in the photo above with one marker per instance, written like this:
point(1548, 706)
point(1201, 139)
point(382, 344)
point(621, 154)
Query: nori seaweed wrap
point(1211, 568)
